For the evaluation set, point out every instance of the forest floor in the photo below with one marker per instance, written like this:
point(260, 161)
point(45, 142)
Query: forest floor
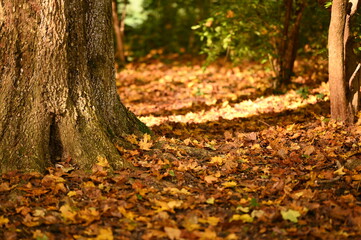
point(229, 159)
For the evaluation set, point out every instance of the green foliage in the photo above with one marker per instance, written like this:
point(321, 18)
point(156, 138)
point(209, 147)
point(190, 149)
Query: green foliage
point(251, 29)
point(245, 29)
point(303, 92)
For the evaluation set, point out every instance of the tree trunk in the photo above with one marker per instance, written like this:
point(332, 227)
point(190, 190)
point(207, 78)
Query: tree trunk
point(57, 92)
point(119, 31)
point(344, 79)
point(352, 62)
point(288, 45)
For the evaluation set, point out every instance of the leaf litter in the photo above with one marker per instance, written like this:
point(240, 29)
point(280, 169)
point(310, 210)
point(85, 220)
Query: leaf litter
point(229, 160)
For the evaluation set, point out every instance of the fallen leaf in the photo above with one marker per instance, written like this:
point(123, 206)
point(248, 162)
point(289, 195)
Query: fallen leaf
point(173, 233)
point(290, 215)
point(243, 218)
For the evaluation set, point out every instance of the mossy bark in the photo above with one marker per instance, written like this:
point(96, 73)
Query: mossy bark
point(57, 92)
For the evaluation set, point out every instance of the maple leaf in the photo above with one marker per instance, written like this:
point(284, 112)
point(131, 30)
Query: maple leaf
point(68, 213)
point(127, 214)
point(102, 161)
point(146, 143)
point(291, 215)
point(89, 215)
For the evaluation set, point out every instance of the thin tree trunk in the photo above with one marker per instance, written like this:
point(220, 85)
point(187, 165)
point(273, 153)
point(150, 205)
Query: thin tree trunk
point(352, 63)
point(119, 30)
point(287, 50)
point(338, 88)
point(57, 92)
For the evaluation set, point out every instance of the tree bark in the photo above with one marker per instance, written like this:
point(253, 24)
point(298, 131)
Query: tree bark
point(352, 63)
point(344, 80)
point(57, 92)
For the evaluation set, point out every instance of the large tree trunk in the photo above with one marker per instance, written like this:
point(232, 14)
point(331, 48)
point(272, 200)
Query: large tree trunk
point(57, 93)
point(344, 78)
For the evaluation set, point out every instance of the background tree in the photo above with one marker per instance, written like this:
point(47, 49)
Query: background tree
point(344, 64)
point(288, 41)
point(269, 31)
point(118, 25)
point(165, 25)
point(57, 92)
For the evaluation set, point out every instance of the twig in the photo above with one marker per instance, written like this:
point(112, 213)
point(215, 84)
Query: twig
point(353, 76)
point(264, 123)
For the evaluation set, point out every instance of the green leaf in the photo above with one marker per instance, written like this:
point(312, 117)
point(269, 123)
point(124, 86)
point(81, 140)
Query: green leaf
point(290, 215)
point(171, 172)
point(254, 202)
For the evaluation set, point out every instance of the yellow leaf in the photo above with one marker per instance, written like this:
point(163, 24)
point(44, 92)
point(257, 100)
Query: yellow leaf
point(102, 161)
point(210, 200)
point(132, 139)
point(175, 191)
point(340, 171)
point(3, 220)
point(243, 209)
point(217, 160)
point(88, 184)
point(243, 218)
point(89, 215)
point(71, 193)
point(67, 213)
point(127, 214)
point(175, 204)
point(229, 184)
point(213, 221)
point(291, 215)
point(167, 206)
point(105, 234)
point(256, 146)
point(232, 236)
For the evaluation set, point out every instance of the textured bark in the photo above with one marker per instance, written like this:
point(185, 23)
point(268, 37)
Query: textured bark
point(344, 80)
point(57, 92)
